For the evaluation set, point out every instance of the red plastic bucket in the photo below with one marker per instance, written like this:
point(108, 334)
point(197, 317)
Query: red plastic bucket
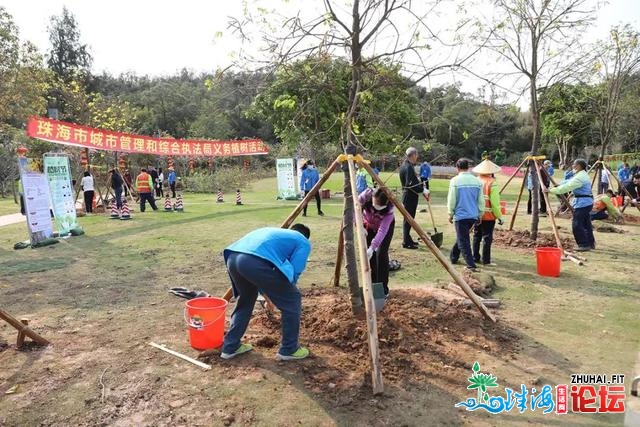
point(548, 261)
point(503, 207)
point(205, 321)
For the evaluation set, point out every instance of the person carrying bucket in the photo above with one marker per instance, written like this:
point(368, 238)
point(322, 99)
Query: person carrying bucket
point(268, 261)
point(484, 230)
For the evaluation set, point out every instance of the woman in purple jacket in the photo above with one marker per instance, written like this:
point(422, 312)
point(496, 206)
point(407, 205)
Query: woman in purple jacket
point(379, 223)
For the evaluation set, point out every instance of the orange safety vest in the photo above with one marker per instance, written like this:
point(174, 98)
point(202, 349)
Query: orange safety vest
point(487, 182)
point(142, 183)
point(599, 206)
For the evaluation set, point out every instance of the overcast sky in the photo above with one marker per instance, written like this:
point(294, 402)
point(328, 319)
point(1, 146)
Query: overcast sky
point(161, 37)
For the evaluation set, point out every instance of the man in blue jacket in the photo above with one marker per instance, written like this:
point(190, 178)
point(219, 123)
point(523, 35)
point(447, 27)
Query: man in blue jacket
point(308, 179)
point(268, 260)
point(425, 174)
point(465, 204)
point(582, 203)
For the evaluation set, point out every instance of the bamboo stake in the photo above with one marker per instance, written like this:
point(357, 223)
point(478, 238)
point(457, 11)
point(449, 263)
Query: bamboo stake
point(22, 328)
point(336, 274)
point(365, 279)
point(513, 175)
point(325, 176)
point(181, 356)
point(432, 247)
point(515, 211)
point(595, 175)
point(545, 194)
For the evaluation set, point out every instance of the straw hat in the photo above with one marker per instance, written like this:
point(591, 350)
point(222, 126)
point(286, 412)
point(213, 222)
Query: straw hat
point(486, 167)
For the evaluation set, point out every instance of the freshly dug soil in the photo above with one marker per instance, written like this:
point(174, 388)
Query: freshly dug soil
point(521, 240)
point(423, 334)
point(631, 219)
point(606, 228)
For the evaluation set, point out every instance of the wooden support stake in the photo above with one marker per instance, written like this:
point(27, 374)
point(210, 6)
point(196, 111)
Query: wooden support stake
point(432, 247)
point(365, 280)
point(513, 175)
point(22, 328)
point(515, 210)
point(336, 273)
point(545, 194)
point(595, 175)
point(20, 340)
point(181, 356)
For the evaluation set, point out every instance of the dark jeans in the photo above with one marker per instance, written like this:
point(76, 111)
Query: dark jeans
point(483, 232)
point(159, 190)
point(379, 262)
point(88, 201)
point(118, 192)
point(147, 197)
point(410, 203)
point(318, 203)
point(582, 228)
point(249, 275)
point(172, 185)
point(599, 215)
point(603, 187)
point(463, 242)
point(425, 182)
point(543, 204)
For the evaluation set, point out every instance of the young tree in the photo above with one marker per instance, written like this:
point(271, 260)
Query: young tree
point(540, 39)
point(365, 32)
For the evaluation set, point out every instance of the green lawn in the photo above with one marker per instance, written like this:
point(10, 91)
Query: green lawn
point(102, 296)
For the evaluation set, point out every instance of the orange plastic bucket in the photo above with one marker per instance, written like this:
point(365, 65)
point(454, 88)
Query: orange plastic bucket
point(548, 261)
point(205, 321)
point(503, 207)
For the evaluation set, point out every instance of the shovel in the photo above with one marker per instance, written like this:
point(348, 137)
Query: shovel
point(436, 237)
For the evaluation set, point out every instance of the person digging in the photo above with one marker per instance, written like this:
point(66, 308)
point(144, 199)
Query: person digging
point(268, 261)
point(582, 204)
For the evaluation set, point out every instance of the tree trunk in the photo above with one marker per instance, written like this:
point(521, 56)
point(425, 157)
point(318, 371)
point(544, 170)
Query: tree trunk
point(350, 148)
point(535, 192)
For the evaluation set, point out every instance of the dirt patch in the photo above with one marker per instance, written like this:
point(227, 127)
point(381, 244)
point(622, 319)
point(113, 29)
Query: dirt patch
point(606, 228)
point(423, 334)
point(631, 219)
point(520, 240)
point(482, 284)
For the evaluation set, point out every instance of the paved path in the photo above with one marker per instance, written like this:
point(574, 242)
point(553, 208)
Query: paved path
point(11, 219)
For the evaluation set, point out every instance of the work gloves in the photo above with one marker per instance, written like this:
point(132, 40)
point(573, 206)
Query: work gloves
point(369, 253)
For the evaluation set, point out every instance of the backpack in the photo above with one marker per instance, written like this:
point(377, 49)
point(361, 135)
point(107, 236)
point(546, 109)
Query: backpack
point(361, 183)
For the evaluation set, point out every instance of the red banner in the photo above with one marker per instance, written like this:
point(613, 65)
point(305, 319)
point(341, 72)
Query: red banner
point(98, 139)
